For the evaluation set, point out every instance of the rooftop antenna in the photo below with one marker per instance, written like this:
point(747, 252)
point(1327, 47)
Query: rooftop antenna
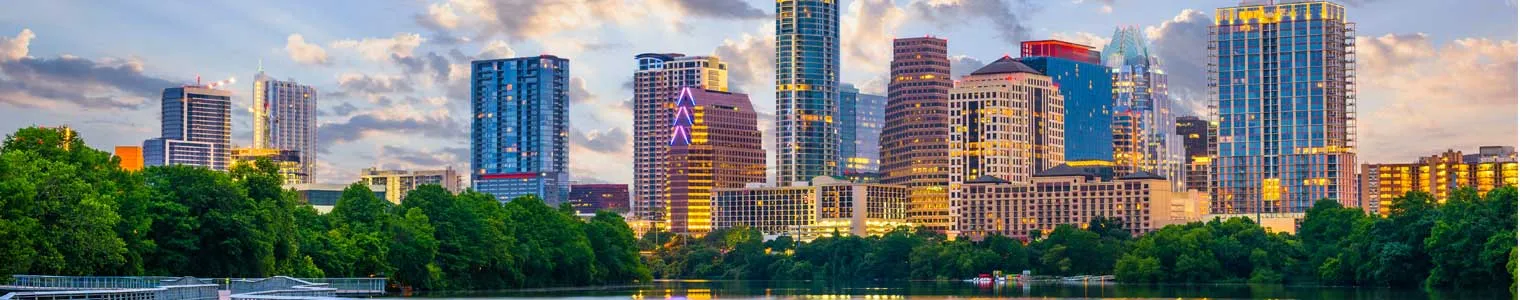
point(261, 65)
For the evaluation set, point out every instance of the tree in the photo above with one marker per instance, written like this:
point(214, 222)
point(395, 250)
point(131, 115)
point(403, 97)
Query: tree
point(413, 249)
point(617, 255)
point(58, 202)
point(204, 225)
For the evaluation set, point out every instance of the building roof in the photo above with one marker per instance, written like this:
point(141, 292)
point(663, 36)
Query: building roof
point(1003, 66)
point(987, 179)
point(1142, 175)
point(1064, 170)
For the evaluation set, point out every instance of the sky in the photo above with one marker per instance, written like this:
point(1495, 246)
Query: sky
point(393, 75)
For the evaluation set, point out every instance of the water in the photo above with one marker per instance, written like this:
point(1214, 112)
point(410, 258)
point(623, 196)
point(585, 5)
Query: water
point(941, 290)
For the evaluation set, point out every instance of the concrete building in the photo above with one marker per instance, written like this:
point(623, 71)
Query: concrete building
point(1087, 90)
point(914, 145)
point(807, 89)
point(659, 79)
point(1282, 80)
point(284, 118)
point(323, 197)
point(131, 157)
point(860, 119)
point(592, 198)
point(289, 161)
point(1438, 175)
point(1144, 129)
point(520, 127)
point(1005, 122)
point(715, 142)
point(827, 206)
point(1197, 136)
point(400, 182)
point(196, 128)
point(1063, 195)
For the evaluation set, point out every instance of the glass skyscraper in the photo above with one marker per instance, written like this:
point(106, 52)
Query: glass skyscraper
point(657, 82)
point(1144, 129)
point(860, 119)
point(715, 143)
point(520, 127)
point(196, 128)
point(807, 95)
point(1281, 78)
point(284, 119)
point(1088, 90)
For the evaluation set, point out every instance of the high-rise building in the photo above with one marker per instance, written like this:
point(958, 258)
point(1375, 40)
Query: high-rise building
point(289, 161)
point(131, 157)
point(658, 81)
point(860, 119)
point(825, 207)
point(1144, 130)
point(807, 94)
point(401, 182)
point(1005, 122)
point(1196, 137)
point(520, 130)
point(284, 119)
point(914, 149)
point(196, 128)
point(592, 198)
point(1438, 175)
point(1142, 201)
point(715, 142)
point(1088, 92)
point(1281, 79)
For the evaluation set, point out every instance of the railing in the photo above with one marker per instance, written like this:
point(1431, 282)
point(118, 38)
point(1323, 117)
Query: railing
point(279, 283)
point(87, 282)
point(352, 285)
point(189, 288)
point(177, 292)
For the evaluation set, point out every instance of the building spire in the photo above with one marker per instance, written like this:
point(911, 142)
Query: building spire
point(261, 65)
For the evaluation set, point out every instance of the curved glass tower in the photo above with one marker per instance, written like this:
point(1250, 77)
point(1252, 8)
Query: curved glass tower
point(807, 89)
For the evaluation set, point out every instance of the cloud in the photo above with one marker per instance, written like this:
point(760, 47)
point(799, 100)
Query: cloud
point(613, 140)
point(88, 84)
point(1082, 37)
point(869, 27)
point(435, 125)
point(961, 65)
point(719, 9)
point(520, 20)
point(1181, 46)
point(1419, 97)
point(370, 85)
point(302, 52)
point(751, 60)
point(381, 49)
point(439, 16)
point(17, 47)
point(578, 92)
point(497, 49)
point(1005, 14)
point(431, 64)
point(425, 158)
point(343, 109)
point(1104, 6)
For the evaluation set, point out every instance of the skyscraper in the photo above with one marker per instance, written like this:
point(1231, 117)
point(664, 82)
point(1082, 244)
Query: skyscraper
point(283, 119)
point(1196, 136)
point(658, 81)
point(1088, 93)
point(715, 142)
point(914, 149)
point(860, 119)
point(1281, 79)
point(807, 95)
point(196, 128)
point(518, 135)
point(1005, 122)
point(1144, 130)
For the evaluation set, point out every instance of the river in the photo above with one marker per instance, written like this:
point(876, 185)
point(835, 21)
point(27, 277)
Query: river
point(939, 290)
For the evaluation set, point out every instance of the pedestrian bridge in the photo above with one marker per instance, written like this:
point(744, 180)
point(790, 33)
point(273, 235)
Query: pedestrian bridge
point(39, 287)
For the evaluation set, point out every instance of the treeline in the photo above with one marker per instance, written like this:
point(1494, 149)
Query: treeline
point(66, 209)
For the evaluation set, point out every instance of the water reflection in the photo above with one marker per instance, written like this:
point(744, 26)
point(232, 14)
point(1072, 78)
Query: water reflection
point(696, 290)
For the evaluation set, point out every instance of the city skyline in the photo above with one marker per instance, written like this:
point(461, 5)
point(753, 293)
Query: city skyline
point(386, 103)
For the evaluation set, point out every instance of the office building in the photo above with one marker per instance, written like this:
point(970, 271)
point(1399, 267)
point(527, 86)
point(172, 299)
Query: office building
point(323, 197)
point(1005, 122)
point(520, 130)
point(659, 79)
point(284, 118)
point(1438, 175)
point(400, 182)
point(860, 119)
point(1144, 129)
point(807, 95)
point(1088, 92)
point(131, 157)
point(1196, 136)
point(715, 142)
point(1281, 76)
point(827, 206)
point(914, 146)
point(289, 162)
point(1142, 201)
point(592, 198)
point(196, 128)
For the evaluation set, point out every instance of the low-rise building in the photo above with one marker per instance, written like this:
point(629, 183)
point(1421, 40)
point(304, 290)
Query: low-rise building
point(826, 206)
point(1438, 175)
point(131, 157)
point(399, 182)
point(289, 161)
point(324, 196)
point(1143, 201)
point(591, 198)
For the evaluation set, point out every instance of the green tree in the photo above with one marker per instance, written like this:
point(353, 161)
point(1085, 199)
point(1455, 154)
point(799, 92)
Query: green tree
point(58, 203)
point(204, 225)
point(617, 255)
point(413, 249)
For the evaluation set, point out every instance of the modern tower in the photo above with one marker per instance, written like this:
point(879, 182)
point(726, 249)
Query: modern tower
point(1087, 89)
point(714, 142)
point(196, 128)
point(1196, 136)
point(1005, 122)
point(1144, 130)
point(1281, 77)
point(914, 149)
point(860, 119)
point(518, 135)
point(807, 95)
point(658, 81)
point(284, 120)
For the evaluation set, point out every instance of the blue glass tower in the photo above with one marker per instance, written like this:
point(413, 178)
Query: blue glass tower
point(807, 95)
point(860, 119)
point(1088, 90)
point(518, 134)
point(196, 128)
point(1145, 133)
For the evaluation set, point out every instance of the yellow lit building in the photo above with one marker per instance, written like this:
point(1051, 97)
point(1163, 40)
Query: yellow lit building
point(809, 211)
point(1064, 195)
point(289, 161)
point(131, 157)
point(1438, 175)
point(399, 182)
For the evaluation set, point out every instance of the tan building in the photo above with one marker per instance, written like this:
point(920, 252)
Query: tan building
point(913, 146)
point(291, 168)
point(1063, 195)
point(1438, 175)
point(656, 84)
point(827, 206)
point(131, 157)
point(715, 143)
point(398, 182)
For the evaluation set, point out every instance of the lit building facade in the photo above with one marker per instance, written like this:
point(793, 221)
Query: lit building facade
point(1142, 201)
point(715, 142)
point(131, 157)
point(289, 161)
point(592, 198)
point(1088, 92)
point(196, 128)
point(284, 118)
point(914, 146)
point(1196, 137)
point(401, 182)
point(324, 197)
point(1144, 128)
point(1005, 123)
point(860, 119)
point(807, 89)
point(659, 79)
point(806, 211)
point(1438, 175)
point(518, 136)
point(1281, 79)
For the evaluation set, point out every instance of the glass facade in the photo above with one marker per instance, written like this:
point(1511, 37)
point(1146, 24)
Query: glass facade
point(807, 95)
point(196, 129)
point(715, 142)
point(284, 118)
point(520, 127)
point(656, 84)
point(1281, 77)
point(1197, 137)
point(914, 149)
point(1087, 89)
point(860, 119)
point(1144, 129)
point(592, 198)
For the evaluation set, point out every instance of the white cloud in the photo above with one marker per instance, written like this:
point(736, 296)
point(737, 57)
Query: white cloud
point(441, 15)
point(302, 52)
point(1082, 37)
point(1420, 98)
point(17, 47)
point(497, 49)
point(869, 27)
point(381, 49)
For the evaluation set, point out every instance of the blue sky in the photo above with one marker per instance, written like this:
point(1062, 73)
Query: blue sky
point(1431, 75)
